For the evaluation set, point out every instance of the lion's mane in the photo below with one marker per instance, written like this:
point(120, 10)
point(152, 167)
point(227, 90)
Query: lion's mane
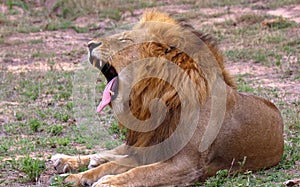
point(198, 71)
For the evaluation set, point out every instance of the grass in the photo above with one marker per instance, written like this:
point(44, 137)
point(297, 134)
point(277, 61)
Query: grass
point(34, 125)
point(113, 13)
point(56, 130)
point(251, 19)
point(11, 3)
point(245, 179)
point(243, 85)
point(43, 120)
point(58, 181)
point(36, 41)
point(38, 113)
point(32, 168)
point(276, 4)
point(259, 40)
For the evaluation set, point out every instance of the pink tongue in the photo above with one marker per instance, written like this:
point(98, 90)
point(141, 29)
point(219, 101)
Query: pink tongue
point(106, 98)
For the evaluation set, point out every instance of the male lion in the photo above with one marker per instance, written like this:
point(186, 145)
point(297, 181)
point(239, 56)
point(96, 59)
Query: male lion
point(168, 86)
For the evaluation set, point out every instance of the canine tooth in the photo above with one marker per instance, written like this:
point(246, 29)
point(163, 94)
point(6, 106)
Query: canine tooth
point(100, 63)
point(112, 93)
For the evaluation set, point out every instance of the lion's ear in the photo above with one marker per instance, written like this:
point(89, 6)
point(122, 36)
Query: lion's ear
point(152, 15)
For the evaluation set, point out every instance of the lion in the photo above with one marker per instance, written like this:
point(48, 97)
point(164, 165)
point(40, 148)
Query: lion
point(167, 83)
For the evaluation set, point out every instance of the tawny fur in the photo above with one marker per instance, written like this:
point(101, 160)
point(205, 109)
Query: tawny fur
point(252, 127)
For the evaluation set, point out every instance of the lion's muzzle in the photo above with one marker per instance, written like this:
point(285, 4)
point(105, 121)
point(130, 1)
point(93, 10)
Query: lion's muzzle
point(93, 60)
point(111, 89)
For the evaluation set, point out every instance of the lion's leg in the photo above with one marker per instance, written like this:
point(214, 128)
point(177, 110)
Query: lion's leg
point(65, 163)
point(184, 170)
point(87, 178)
point(170, 172)
point(115, 154)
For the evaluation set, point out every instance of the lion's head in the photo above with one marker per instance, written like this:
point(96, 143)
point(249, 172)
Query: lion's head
point(157, 38)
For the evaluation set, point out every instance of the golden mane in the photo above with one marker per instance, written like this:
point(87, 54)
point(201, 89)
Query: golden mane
point(152, 16)
point(151, 88)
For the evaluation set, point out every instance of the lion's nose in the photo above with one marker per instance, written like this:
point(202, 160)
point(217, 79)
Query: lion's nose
point(92, 45)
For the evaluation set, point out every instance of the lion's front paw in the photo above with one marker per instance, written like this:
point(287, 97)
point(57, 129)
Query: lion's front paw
point(96, 160)
point(73, 179)
point(106, 181)
point(78, 180)
point(64, 163)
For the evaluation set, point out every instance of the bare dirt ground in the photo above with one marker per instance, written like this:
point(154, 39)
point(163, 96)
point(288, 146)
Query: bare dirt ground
point(67, 47)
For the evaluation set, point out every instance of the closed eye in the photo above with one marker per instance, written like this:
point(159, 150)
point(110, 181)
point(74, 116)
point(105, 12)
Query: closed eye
point(125, 39)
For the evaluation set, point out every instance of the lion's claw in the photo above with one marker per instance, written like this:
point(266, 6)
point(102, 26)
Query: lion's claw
point(95, 161)
point(61, 163)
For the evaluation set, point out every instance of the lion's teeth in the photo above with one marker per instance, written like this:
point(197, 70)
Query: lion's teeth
point(112, 93)
point(100, 63)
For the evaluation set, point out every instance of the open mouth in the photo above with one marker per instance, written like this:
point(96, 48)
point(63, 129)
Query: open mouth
point(111, 90)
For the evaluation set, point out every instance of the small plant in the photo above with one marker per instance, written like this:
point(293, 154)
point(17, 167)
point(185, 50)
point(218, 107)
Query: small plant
point(114, 129)
point(63, 95)
point(56, 130)
point(32, 167)
point(11, 3)
point(58, 181)
point(41, 113)
point(112, 144)
point(34, 125)
point(61, 117)
point(63, 141)
point(30, 89)
point(82, 168)
point(19, 116)
point(70, 105)
point(218, 180)
point(243, 86)
point(4, 148)
point(242, 163)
